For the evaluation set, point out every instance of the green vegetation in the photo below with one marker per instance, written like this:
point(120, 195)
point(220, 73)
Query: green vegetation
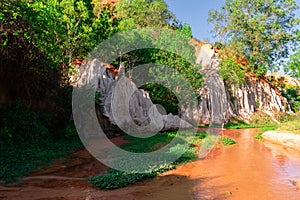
point(20, 124)
point(72, 24)
point(145, 13)
point(258, 136)
point(291, 126)
point(209, 141)
point(117, 179)
point(291, 93)
point(17, 161)
point(292, 67)
point(266, 124)
point(27, 141)
point(245, 125)
point(260, 30)
point(288, 123)
point(269, 128)
point(296, 106)
point(226, 141)
point(263, 121)
point(232, 72)
point(41, 39)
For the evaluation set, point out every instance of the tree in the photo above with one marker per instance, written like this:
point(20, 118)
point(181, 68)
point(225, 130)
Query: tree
point(38, 41)
point(61, 30)
point(292, 67)
point(68, 28)
point(264, 30)
point(144, 13)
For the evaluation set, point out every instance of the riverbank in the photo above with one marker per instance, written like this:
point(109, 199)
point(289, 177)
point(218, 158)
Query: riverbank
point(286, 139)
point(287, 135)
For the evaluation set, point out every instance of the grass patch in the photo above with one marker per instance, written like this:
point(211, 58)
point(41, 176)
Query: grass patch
point(117, 179)
point(19, 160)
point(226, 141)
point(145, 145)
point(263, 127)
point(258, 136)
point(291, 127)
point(259, 120)
point(271, 127)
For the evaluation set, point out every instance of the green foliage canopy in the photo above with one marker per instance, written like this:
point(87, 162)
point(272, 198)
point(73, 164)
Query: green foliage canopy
point(62, 30)
point(144, 13)
point(292, 67)
point(264, 30)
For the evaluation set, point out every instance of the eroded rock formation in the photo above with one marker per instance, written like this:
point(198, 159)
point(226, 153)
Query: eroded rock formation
point(220, 102)
point(121, 106)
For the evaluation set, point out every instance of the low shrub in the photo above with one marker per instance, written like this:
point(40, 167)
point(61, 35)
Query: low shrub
point(296, 106)
point(70, 131)
point(226, 141)
point(18, 124)
point(258, 136)
point(261, 119)
point(283, 117)
point(117, 179)
point(19, 160)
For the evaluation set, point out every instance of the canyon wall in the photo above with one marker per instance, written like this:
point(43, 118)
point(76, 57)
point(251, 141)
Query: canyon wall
point(231, 101)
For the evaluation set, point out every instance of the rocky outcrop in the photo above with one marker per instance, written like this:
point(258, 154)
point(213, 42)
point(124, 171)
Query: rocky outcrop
point(214, 105)
point(279, 79)
point(220, 102)
point(121, 106)
point(255, 94)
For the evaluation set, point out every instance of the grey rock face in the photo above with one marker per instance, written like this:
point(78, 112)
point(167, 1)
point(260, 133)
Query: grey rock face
point(122, 107)
point(213, 107)
point(220, 102)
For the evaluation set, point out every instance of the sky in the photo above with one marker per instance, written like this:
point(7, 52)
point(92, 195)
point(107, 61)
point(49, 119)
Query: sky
point(195, 13)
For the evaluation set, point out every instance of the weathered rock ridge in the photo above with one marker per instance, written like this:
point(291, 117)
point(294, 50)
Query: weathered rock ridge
point(220, 102)
point(121, 106)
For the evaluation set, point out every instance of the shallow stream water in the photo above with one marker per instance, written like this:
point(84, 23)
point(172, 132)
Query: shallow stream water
point(251, 169)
